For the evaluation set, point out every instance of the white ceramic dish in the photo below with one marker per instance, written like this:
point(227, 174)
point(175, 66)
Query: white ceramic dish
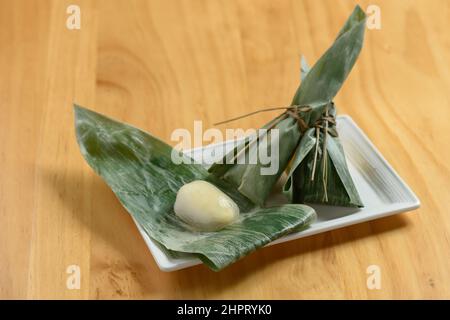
point(382, 191)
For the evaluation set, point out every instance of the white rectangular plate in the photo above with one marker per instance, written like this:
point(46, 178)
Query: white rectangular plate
point(382, 191)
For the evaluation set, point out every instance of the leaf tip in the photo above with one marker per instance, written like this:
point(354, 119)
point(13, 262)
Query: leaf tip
point(77, 109)
point(359, 13)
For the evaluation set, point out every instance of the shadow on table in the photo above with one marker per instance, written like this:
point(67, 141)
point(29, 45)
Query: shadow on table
point(259, 261)
point(121, 259)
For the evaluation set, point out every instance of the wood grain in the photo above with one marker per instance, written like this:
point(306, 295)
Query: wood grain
point(160, 65)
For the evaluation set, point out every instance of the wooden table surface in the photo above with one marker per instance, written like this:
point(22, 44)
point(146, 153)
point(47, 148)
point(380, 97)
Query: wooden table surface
point(160, 65)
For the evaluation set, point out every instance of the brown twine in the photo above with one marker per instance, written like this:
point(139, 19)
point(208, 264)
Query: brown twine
point(293, 112)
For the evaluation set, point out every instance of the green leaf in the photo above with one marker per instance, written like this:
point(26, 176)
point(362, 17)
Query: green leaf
point(307, 143)
point(319, 86)
point(247, 177)
point(329, 73)
point(340, 192)
point(340, 187)
point(337, 156)
point(139, 169)
point(304, 68)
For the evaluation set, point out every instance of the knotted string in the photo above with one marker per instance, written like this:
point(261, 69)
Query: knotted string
point(320, 124)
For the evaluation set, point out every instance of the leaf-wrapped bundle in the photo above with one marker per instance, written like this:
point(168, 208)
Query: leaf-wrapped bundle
point(310, 148)
point(139, 169)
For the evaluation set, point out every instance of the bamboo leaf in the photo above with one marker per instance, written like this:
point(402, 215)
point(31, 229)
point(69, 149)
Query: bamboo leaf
point(319, 86)
point(307, 143)
point(329, 73)
point(337, 156)
point(139, 170)
point(247, 177)
point(304, 68)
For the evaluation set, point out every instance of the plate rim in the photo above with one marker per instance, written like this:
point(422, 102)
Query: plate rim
point(168, 264)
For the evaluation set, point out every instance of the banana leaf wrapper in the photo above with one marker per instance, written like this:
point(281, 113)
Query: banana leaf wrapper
point(310, 150)
point(139, 169)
